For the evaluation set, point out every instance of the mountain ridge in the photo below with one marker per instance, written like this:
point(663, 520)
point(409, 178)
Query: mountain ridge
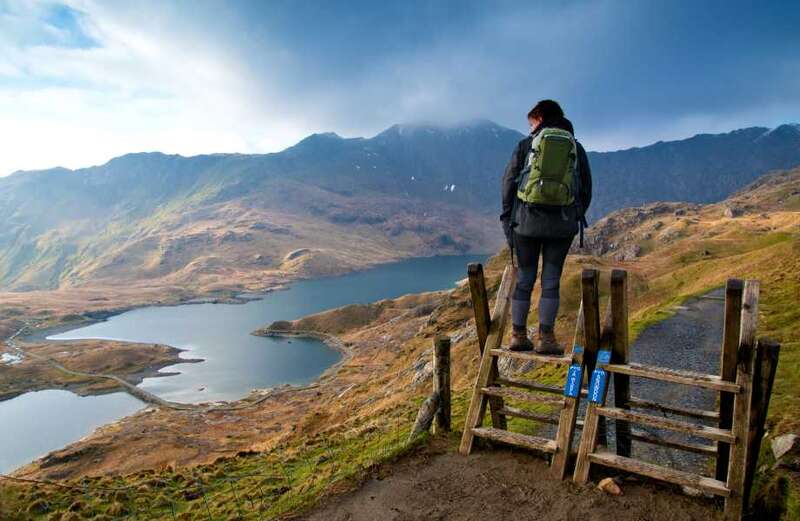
point(412, 189)
point(421, 125)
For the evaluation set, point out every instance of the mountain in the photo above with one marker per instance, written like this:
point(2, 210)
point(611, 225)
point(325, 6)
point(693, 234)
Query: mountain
point(702, 169)
point(323, 206)
point(232, 221)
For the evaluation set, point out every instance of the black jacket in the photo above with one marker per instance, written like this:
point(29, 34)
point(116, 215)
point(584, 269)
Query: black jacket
point(538, 222)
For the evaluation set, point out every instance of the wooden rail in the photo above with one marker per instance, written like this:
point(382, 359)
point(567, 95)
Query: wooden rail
point(689, 412)
point(677, 376)
point(659, 422)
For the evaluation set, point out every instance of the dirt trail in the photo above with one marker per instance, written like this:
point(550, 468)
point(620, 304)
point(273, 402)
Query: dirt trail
point(439, 484)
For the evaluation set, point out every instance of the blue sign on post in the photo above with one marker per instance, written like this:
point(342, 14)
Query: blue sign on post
point(572, 387)
point(597, 386)
point(604, 357)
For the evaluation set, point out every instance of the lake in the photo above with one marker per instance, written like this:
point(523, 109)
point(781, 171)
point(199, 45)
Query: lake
point(36, 423)
point(235, 362)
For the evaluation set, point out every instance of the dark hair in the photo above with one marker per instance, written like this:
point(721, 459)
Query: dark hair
point(546, 110)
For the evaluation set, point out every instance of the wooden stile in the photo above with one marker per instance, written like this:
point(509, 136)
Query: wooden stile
point(516, 389)
point(751, 388)
point(747, 372)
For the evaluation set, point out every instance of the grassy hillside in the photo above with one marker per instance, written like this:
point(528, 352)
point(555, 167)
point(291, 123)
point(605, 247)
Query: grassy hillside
point(227, 221)
point(359, 415)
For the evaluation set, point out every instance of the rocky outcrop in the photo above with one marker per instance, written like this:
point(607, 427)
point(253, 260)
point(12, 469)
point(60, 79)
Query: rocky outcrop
point(620, 234)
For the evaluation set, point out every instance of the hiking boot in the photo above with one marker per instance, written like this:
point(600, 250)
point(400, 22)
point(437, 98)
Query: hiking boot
point(547, 344)
point(520, 340)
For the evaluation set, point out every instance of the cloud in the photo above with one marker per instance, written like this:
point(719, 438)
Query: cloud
point(83, 81)
point(147, 84)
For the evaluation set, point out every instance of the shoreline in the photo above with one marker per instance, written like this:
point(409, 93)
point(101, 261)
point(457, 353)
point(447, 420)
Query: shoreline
point(251, 400)
point(332, 341)
point(154, 371)
point(40, 334)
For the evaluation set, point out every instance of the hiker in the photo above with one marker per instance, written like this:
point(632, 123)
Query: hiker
point(547, 188)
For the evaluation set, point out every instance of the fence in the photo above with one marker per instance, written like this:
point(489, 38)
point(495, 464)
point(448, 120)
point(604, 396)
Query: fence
point(600, 354)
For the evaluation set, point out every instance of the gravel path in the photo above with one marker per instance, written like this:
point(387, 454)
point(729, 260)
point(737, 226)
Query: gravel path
point(690, 340)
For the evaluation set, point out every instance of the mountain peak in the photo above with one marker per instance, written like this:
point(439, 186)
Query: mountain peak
point(423, 128)
point(785, 131)
point(317, 141)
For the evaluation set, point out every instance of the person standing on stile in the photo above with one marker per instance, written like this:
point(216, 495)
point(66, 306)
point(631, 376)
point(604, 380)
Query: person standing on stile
point(547, 188)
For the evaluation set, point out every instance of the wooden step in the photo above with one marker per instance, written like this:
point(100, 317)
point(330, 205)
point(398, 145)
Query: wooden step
point(673, 409)
point(530, 356)
point(514, 438)
point(534, 416)
point(650, 470)
point(707, 381)
point(511, 394)
point(702, 431)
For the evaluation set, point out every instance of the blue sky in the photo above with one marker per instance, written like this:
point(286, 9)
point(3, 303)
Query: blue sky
point(82, 81)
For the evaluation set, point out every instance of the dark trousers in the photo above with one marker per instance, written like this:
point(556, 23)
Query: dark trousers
point(553, 253)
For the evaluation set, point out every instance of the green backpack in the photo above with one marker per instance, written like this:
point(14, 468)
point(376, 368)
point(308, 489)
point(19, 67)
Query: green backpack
point(549, 175)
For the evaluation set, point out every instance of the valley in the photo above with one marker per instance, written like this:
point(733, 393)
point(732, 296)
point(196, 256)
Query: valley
point(221, 360)
point(322, 438)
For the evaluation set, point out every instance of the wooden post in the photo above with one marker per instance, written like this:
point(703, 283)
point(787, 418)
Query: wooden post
point(483, 321)
point(441, 382)
point(480, 302)
point(622, 388)
point(569, 413)
point(591, 331)
point(425, 416)
point(606, 341)
point(727, 367)
point(766, 364)
point(734, 503)
point(477, 406)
